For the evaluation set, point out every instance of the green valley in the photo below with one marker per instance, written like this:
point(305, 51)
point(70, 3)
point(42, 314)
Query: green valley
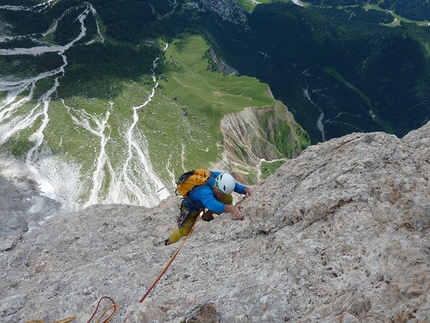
point(118, 121)
point(125, 95)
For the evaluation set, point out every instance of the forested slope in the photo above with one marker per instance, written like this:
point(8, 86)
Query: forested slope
point(342, 68)
point(339, 66)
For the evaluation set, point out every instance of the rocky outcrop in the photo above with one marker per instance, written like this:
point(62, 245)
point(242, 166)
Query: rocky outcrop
point(338, 234)
point(253, 135)
point(227, 69)
point(22, 207)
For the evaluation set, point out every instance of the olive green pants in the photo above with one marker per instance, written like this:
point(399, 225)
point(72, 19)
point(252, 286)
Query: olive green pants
point(192, 218)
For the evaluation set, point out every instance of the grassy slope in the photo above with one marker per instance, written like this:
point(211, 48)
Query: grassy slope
point(204, 97)
point(180, 124)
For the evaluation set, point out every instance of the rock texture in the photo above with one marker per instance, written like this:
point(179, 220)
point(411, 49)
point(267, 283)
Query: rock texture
point(22, 207)
point(338, 234)
point(253, 135)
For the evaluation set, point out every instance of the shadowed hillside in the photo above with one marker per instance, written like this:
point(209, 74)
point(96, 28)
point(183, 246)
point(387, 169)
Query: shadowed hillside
point(339, 70)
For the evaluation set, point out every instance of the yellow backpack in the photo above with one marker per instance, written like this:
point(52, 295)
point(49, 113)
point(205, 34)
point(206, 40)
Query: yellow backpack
point(191, 179)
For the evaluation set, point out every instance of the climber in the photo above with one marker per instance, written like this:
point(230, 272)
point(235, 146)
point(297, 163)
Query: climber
point(215, 196)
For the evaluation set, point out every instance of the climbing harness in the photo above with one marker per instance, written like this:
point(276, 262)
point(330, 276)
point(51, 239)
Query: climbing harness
point(170, 260)
point(183, 215)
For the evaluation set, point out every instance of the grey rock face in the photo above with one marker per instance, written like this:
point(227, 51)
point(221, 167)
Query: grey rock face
point(21, 205)
point(249, 137)
point(338, 234)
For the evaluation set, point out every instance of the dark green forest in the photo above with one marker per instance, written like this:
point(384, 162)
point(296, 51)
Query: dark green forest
point(362, 64)
point(333, 59)
point(410, 9)
point(417, 10)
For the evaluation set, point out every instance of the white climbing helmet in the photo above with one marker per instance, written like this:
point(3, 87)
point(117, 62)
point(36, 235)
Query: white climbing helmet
point(225, 183)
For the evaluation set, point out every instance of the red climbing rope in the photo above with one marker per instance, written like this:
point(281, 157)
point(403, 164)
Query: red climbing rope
point(114, 305)
point(170, 261)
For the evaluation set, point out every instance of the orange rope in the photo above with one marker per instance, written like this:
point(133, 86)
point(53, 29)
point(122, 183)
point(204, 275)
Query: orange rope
point(114, 305)
point(69, 319)
point(170, 261)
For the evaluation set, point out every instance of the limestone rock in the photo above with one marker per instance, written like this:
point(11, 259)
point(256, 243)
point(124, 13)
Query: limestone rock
point(22, 207)
point(338, 234)
point(253, 135)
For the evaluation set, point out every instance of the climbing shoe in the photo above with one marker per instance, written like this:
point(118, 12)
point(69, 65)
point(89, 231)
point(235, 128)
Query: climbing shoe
point(207, 216)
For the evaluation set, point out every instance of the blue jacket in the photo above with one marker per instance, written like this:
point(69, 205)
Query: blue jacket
point(202, 196)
